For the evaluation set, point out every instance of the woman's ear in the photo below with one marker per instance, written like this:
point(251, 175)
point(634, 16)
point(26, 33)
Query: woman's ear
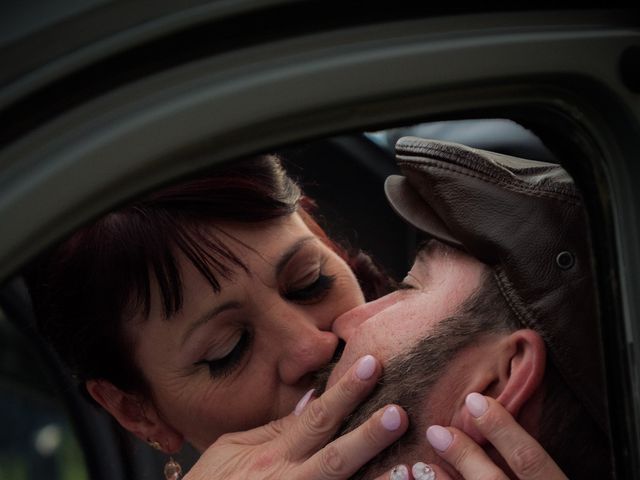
point(137, 415)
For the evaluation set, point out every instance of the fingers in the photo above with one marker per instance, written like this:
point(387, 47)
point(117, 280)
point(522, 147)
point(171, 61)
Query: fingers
point(345, 455)
point(419, 471)
point(463, 453)
point(399, 472)
point(524, 455)
point(320, 418)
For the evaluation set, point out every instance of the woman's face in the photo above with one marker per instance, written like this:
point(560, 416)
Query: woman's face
point(236, 359)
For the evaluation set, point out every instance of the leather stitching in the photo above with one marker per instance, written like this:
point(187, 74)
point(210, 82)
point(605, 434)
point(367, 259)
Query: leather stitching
point(522, 187)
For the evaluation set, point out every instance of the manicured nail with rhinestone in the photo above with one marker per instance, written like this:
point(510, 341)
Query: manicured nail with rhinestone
point(476, 404)
point(439, 437)
point(366, 367)
point(422, 471)
point(391, 419)
point(303, 402)
point(399, 472)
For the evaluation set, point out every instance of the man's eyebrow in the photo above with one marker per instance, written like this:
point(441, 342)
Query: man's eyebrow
point(206, 317)
point(291, 251)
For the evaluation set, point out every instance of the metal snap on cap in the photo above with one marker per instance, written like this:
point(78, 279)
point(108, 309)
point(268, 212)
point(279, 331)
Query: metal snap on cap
point(565, 260)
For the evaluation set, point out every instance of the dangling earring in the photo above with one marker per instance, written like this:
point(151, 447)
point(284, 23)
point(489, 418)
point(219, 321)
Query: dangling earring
point(172, 469)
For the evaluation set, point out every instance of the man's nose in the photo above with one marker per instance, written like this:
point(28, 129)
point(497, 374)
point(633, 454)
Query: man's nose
point(347, 323)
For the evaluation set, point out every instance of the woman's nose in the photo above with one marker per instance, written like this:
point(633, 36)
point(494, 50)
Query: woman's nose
point(306, 349)
point(347, 323)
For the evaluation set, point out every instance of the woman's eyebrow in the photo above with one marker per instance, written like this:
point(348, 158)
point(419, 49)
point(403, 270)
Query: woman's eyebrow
point(206, 317)
point(210, 314)
point(291, 251)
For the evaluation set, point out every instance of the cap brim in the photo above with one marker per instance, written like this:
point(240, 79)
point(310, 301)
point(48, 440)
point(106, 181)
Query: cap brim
point(414, 210)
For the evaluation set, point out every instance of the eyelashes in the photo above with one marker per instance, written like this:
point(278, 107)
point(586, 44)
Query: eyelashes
point(315, 291)
point(223, 367)
point(404, 286)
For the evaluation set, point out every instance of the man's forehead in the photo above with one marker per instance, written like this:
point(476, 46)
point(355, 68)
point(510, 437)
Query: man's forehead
point(431, 249)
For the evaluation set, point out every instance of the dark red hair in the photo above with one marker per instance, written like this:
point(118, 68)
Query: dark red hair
point(85, 289)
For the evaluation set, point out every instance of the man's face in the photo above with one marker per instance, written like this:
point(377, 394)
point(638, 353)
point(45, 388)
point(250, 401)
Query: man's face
point(413, 333)
point(439, 282)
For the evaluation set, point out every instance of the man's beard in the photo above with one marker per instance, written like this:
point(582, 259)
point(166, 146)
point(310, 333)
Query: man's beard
point(407, 381)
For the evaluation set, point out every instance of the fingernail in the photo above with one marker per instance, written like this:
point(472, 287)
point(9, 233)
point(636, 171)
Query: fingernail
point(366, 367)
point(303, 402)
point(391, 419)
point(476, 404)
point(439, 437)
point(399, 472)
point(422, 471)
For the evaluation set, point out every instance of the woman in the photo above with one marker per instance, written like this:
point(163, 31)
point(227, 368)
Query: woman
point(202, 309)
point(206, 308)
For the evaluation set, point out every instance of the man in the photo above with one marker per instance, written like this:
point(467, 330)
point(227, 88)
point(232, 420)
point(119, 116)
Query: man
point(500, 300)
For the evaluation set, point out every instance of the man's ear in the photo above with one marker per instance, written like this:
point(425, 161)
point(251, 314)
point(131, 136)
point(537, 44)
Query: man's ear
point(522, 369)
point(135, 414)
point(513, 375)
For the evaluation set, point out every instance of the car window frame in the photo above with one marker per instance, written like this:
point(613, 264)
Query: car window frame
point(299, 86)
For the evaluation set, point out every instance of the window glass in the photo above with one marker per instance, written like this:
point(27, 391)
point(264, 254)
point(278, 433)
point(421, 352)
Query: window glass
point(36, 438)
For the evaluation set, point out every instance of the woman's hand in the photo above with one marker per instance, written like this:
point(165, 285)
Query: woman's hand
point(295, 447)
point(524, 455)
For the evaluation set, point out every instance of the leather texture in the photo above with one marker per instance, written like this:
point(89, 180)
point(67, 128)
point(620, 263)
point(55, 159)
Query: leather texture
point(525, 219)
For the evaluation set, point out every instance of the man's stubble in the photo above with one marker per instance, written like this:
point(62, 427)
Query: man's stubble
point(408, 379)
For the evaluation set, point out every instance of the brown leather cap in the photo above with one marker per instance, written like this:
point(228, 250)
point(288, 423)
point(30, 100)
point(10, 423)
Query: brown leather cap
point(525, 220)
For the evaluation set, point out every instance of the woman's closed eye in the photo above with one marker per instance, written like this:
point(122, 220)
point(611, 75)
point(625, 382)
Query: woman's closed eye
point(310, 292)
point(224, 366)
